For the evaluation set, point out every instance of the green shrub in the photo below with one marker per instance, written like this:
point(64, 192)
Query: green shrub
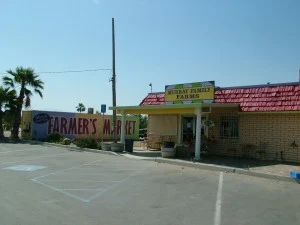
point(66, 141)
point(99, 145)
point(87, 143)
point(54, 137)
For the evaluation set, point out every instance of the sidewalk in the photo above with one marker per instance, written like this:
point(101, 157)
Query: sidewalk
point(267, 169)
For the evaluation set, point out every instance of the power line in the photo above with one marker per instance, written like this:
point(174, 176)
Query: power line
point(69, 71)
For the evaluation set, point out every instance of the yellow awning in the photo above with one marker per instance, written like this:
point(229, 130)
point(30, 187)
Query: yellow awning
point(168, 109)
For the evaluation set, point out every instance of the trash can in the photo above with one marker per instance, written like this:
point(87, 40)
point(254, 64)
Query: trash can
point(129, 145)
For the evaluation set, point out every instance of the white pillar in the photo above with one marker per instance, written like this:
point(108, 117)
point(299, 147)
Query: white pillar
point(198, 134)
point(179, 136)
point(123, 128)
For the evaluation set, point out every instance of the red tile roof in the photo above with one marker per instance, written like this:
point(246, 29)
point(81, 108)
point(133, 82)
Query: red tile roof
point(272, 97)
point(154, 99)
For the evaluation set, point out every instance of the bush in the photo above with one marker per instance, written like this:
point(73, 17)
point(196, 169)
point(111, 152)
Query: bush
point(99, 145)
point(54, 137)
point(66, 141)
point(87, 143)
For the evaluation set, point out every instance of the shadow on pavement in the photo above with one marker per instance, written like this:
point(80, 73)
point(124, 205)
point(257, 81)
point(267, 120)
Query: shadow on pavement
point(150, 154)
point(236, 162)
point(244, 163)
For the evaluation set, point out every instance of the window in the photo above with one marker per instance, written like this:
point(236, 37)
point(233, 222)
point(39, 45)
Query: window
point(229, 127)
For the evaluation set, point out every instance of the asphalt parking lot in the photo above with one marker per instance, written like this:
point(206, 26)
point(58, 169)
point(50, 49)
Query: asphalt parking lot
point(45, 185)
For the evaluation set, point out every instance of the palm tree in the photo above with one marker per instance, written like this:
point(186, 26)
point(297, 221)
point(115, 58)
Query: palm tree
point(80, 108)
point(7, 97)
point(25, 79)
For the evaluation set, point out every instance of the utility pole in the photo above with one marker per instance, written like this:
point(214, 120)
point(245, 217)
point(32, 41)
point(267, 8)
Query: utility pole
point(114, 82)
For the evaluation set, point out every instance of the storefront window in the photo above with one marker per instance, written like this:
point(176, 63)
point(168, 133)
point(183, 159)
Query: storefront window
point(229, 127)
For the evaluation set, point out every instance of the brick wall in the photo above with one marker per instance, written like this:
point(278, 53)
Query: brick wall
point(155, 141)
point(161, 129)
point(278, 131)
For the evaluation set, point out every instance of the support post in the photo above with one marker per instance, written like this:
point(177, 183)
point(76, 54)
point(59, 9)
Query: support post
point(114, 83)
point(123, 128)
point(198, 134)
point(179, 135)
point(102, 128)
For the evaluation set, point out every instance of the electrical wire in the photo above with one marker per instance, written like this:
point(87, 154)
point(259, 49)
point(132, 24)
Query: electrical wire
point(68, 71)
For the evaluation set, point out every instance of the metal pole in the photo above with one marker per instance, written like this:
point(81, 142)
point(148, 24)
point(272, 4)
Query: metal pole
point(123, 128)
point(114, 82)
point(198, 135)
point(102, 127)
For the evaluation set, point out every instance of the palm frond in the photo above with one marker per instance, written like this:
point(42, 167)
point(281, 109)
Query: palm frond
point(27, 92)
point(38, 84)
point(38, 91)
point(7, 81)
point(27, 101)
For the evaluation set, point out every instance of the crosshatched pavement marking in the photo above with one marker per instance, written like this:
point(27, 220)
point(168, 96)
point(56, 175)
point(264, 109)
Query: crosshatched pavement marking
point(101, 190)
point(80, 186)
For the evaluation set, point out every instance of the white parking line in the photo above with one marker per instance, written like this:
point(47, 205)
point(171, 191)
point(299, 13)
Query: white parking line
point(73, 167)
point(112, 169)
point(59, 190)
point(116, 184)
point(219, 201)
point(86, 174)
point(64, 191)
point(83, 189)
point(91, 181)
point(113, 183)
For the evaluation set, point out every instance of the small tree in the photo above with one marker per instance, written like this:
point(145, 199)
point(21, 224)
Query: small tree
point(7, 97)
point(80, 108)
point(25, 80)
point(143, 121)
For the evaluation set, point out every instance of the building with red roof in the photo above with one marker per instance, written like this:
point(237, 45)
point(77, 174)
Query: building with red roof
point(258, 121)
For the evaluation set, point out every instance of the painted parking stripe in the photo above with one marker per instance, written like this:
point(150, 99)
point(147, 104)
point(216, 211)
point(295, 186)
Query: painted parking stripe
point(116, 184)
point(86, 174)
point(82, 189)
point(219, 201)
point(59, 190)
point(73, 167)
point(66, 191)
point(91, 181)
point(102, 169)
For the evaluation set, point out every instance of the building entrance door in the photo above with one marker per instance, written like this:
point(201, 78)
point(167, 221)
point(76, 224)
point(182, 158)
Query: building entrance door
point(189, 129)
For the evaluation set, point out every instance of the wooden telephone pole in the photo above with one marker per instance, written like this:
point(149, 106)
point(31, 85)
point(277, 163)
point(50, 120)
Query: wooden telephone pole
point(114, 82)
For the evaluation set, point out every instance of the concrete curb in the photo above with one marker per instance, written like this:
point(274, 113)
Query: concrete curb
point(73, 148)
point(226, 169)
point(264, 175)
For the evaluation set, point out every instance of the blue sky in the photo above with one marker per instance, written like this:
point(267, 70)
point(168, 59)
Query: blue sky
point(234, 42)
